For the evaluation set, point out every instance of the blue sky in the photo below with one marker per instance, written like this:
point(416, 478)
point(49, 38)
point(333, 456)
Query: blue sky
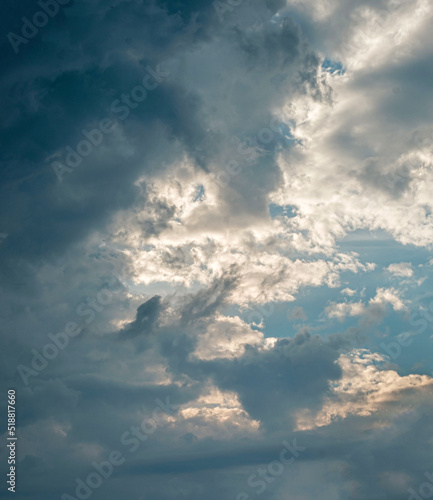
point(215, 248)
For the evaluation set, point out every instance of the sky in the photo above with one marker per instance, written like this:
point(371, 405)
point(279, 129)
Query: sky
point(216, 229)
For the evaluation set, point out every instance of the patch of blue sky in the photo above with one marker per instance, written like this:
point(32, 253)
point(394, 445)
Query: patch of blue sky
point(199, 193)
point(333, 67)
point(286, 131)
point(282, 210)
point(308, 310)
point(380, 247)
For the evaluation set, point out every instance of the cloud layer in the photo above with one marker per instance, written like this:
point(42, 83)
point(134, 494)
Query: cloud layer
point(219, 217)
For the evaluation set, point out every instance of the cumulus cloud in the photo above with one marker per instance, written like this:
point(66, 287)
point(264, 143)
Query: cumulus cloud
point(402, 269)
point(366, 388)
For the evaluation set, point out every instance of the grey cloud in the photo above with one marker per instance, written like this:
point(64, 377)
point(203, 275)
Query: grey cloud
point(147, 317)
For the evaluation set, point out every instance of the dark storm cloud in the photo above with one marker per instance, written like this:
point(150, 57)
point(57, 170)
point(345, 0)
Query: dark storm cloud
point(147, 316)
point(207, 302)
point(369, 460)
point(79, 73)
point(46, 105)
point(272, 384)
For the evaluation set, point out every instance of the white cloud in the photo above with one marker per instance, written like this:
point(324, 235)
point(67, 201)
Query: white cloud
point(226, 337)
point(342, 310)
point(200, 239)
point(365, 388)
point(383, 297)
point(216, 414)
point(388, 296)
point(402, 269)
